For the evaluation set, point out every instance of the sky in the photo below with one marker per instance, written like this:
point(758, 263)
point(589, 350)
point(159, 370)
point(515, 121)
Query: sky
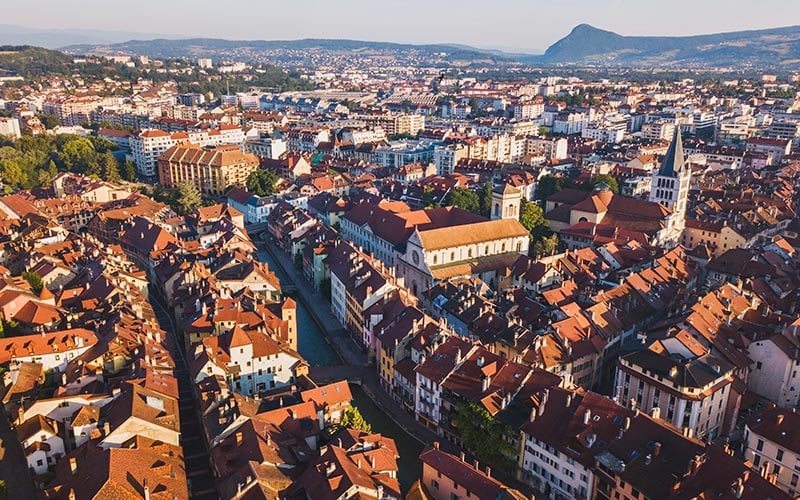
point(522, 25)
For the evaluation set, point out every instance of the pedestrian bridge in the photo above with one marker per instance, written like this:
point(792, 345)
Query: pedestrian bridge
point(329, 374)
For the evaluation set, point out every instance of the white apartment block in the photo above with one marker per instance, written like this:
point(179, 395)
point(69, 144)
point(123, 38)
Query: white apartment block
point(148, 145)
point(10, 127)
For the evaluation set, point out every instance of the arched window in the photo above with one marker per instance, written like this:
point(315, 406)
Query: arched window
point(497, 210)
point(469, 253)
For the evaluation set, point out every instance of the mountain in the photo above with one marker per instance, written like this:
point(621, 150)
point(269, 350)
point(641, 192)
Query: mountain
point(253, 49)
point(586, 44)
point(54, 38)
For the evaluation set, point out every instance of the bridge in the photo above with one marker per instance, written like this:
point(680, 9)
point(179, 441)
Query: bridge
point(329, 374)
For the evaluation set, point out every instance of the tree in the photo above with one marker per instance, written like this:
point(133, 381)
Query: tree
point(463, 199)
point(428, 198)
point(110, 167)
point(608, 180)
point(129, 170)
point(34, 280)
point(187, 197)
point(547, 186)
point(352, 419)
point(485, 196)
point(531, 215)
point(262, 182)
point(547, 245)
point(79, 155)
point(484, 436)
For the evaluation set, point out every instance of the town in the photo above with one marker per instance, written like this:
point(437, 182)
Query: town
point(253, 276)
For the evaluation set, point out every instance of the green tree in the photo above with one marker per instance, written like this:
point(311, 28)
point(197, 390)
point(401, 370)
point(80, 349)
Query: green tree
point(485, 197)
point(531, 215)
point(262, 182)
point(546, 245)
point(49, 121)
point(129, 170)
point(484, 436)
point(548, 185)
point(187, 197)
point(13, 174)
point(428, 198)
point(608, 180)
point(352, 419)
point(78, 155)
point(463, 199)
point(110, 167)
point(34, 280)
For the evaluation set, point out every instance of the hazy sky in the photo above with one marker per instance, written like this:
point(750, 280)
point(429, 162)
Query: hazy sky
point(519, 24)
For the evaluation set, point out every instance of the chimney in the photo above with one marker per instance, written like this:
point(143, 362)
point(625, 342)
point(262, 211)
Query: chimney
point(73, 465)
point(436, 445)
point(779, 420)
point(488, 471)
point(106, 429)
point(476, 465)
point(463, 456)
point(146, 489)
point(587, 417)
point(238, 438)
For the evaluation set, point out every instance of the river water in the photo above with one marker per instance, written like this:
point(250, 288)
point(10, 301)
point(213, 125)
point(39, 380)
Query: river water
point(312, 345)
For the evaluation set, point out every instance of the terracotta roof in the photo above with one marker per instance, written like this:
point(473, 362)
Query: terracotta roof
point(480, 232)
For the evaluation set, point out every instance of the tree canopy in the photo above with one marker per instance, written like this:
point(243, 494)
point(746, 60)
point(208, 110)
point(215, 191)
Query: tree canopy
point(187, 197)
point(262, 182)
point(352, 419)
point(463, 199)
point(484, 436)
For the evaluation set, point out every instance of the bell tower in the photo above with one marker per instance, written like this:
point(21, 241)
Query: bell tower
point(670, 188)
point(506, 201)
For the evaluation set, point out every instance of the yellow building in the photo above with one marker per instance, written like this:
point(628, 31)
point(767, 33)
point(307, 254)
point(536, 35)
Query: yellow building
point(212, 169)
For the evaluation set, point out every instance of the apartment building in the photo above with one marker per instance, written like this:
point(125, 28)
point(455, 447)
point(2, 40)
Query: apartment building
point(211, 169)
point(148, 145)
point(771, 446)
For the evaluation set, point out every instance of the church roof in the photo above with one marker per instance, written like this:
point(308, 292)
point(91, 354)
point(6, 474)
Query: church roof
point(674, 161)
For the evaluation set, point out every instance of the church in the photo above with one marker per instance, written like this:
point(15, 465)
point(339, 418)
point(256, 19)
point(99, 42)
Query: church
point(661, 218)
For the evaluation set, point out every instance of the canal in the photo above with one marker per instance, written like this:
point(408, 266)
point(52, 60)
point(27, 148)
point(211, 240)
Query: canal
point(311, 343)
point(407, 447)
point(313, 346)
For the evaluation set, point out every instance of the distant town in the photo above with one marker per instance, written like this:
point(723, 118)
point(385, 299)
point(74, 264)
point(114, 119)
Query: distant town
point(343, 275)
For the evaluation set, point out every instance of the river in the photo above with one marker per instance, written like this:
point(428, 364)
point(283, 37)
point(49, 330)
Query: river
point(313, 346)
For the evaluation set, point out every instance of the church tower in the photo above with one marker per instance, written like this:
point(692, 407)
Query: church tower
point(670, 188)
point(506, 201)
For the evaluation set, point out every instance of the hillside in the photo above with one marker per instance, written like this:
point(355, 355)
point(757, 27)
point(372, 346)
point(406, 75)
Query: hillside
point(585, 44)
point(255, 49)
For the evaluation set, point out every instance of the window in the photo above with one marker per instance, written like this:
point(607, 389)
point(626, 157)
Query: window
point(756, 460)
point(434, 484)
point(794, 480)
point(760, 445)
point(776, 469)
point(779, 455)
point(758, 365)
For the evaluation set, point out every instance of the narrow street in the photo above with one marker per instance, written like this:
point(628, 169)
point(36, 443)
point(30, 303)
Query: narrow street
point(195, 453)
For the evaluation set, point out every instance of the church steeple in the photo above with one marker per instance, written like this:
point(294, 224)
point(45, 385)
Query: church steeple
point(674, 161)
point(670, 188)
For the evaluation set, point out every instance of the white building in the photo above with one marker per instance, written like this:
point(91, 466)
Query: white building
point(10, 127)
point(148, 145)
point(41, 443)
point(670, 188)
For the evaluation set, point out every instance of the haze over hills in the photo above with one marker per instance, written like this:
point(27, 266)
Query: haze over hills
point(55, 38)
point(584, 45)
